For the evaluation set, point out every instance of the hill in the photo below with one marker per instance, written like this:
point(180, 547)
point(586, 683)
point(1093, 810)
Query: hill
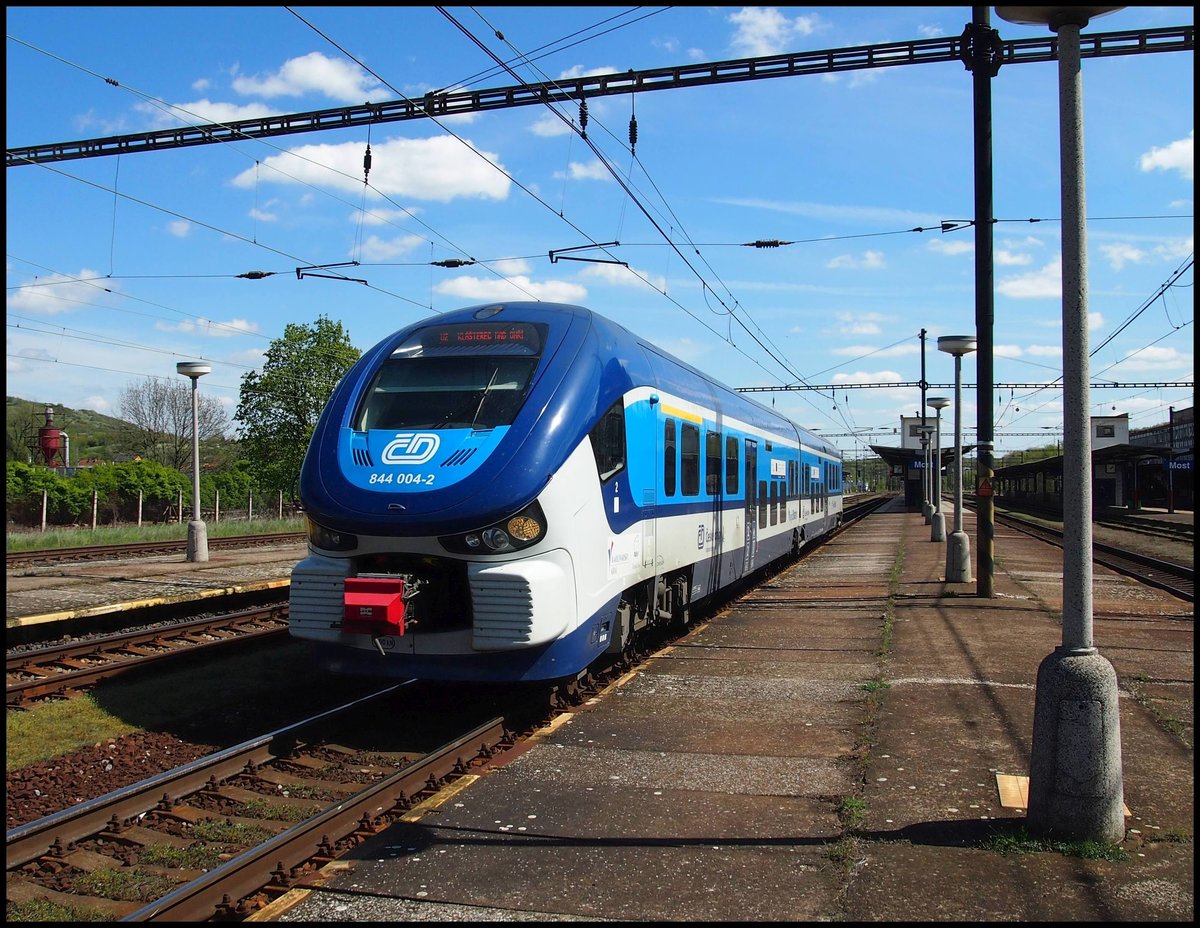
point(91, 435)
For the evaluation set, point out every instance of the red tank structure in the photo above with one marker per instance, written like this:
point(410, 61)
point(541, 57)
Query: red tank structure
point(50, 441)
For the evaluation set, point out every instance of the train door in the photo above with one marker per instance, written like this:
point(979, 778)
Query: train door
point(751, 510)
point(653, 491)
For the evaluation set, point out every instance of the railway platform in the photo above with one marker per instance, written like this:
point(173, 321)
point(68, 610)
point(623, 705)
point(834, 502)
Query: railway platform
point(839, 745)
point(59, 593)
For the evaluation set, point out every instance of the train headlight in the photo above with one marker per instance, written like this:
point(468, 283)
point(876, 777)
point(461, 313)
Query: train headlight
point(496, 539)
point(327, 539)
point(524, 528)
point(519, 531)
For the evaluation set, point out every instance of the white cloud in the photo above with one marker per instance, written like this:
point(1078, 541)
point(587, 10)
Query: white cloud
point(593, 171)
point(857, 324)
point(904, 348)
point(312, 73)
point(1157, 358)
point(1121, 254)
point(549, 126)
point(859, 216)
point(203, 111)
point(380, 217)
point(209, 327)
point(1177, 156)
point(262, 215)
point(479, 289)
point(948, 246)
point(1006, 351)
point(869, 260)
point(378, 249)
point(57, 293)
point(763, 30)
point(622, 276)
point(1045, 351)
point(440, 169)
point(179, 228)
point(869, 377)
point(1006, 258)
point(1041, 284)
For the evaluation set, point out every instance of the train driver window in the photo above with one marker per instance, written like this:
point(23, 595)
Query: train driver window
point(454, 376)
point(689, 459)
point(608, 441)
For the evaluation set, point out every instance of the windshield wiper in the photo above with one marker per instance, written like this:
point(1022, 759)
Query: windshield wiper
point(483, 399)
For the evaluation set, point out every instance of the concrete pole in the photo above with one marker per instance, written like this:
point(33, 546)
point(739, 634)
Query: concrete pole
point(1076, 785)
point(937, 531)
point(958, 547)
point(197, 540)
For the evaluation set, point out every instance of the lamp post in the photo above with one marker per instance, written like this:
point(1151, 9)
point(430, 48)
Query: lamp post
point(197, 540)
point(924, 430)
point(937, 531)
point(927, 507)
point(958, 547)
point(1170, 460)
point(1075, 780)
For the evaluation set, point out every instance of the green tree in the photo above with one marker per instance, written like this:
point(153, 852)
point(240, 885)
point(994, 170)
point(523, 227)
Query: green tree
point(278, 407)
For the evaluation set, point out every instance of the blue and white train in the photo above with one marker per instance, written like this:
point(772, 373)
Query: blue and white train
point(509, 492)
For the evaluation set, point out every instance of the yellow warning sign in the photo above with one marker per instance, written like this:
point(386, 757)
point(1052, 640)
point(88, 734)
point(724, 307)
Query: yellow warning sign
point(985, 488)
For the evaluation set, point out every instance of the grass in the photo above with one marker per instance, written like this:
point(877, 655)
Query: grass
point(210, 689)
point(43, 910)
point(157, 531)
point(127, 884)
point(1020, 841)
point(54, 728)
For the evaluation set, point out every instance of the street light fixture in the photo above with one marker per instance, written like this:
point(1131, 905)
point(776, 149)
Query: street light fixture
point(958, 547)
point(937, 531)
point(197, 540)
point(1076, 786)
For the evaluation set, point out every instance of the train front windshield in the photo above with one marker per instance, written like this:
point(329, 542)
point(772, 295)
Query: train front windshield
point(464, 375)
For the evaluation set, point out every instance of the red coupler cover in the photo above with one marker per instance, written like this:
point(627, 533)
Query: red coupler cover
point(374, 606)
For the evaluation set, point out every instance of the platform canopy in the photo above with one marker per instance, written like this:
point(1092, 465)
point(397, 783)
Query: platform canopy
point(1111, 454)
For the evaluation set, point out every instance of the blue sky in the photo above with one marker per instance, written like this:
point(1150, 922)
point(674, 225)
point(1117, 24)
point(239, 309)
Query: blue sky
point(118, 267)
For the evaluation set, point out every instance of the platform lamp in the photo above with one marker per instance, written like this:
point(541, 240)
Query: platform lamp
point(1076, 785)
point(197, 539)
point(937, 531)
point(958, 546)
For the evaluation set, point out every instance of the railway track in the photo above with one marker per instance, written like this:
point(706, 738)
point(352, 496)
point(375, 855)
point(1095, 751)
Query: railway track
point(66, 668)
point(218, 838)
point(42, 556)
point(1170, 576)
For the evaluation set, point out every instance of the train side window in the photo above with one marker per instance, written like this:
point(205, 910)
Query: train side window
point(689, 459)
point(712, 463)
point(731, 465)
point(773, 505)
point(669, 457)
point(608, 441)
point(762, 504)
